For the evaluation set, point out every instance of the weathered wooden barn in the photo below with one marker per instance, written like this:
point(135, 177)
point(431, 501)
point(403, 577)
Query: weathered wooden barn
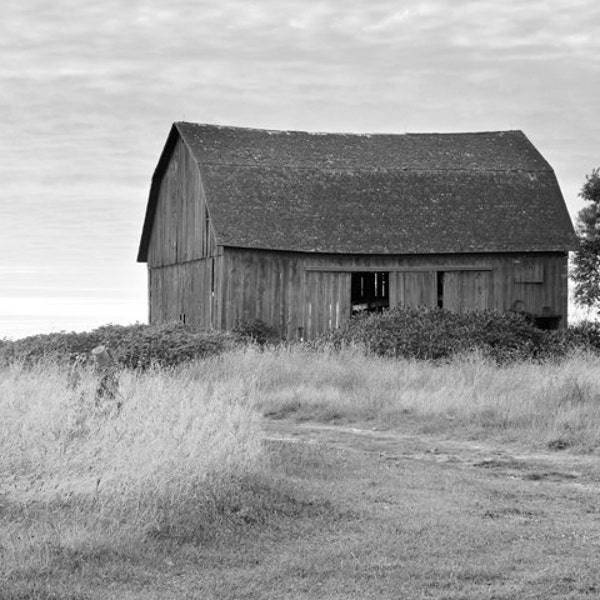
point(301, 230)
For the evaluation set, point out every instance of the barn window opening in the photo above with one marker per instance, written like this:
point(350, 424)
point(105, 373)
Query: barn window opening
point(440, 289)
point(369, 292)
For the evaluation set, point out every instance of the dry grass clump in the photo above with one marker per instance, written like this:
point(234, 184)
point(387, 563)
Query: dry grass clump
point(79, 477)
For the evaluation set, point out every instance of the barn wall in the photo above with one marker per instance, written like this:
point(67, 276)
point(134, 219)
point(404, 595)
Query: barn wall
point(186, 292)
point(303, 295)
point(183, 261)
point(181, 230)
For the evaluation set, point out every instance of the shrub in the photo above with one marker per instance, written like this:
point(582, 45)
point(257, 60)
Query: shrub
point(414, 333)
point(433, 334)
point(257, 331)
point(140, 346)
point(584, 335)
point(132, 346)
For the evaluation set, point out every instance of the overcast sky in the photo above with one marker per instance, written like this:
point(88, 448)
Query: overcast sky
point(89, 89)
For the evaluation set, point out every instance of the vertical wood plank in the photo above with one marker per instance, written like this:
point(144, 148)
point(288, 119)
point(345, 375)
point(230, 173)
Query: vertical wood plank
point(420, 289)
point(396, 289)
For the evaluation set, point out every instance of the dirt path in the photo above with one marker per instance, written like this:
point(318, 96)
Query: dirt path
point(574, 470)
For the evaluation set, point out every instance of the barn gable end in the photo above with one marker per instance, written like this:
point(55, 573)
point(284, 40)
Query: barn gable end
point(300, 229)
point(181, 249)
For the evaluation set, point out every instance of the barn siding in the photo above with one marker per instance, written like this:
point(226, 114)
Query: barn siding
point(302, 295)
point(182, 249)
point(326, 302)
point(183, 291)
point(418, 288)
point(467, 290)
point(179, 231)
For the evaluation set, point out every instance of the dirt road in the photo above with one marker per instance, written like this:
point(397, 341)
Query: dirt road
point(499, 460)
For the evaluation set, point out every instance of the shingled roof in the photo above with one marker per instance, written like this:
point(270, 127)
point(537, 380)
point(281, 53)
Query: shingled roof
point(373, 194)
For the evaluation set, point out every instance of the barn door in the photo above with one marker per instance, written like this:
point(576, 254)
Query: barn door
point(418, 288)
point(466, 290)
point(326, 301)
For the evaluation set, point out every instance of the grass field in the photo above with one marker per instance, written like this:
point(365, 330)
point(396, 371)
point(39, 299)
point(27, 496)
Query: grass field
point(291, 474)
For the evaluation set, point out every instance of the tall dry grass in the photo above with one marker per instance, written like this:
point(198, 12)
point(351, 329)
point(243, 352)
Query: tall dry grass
point(554, 404)
point(78, 477)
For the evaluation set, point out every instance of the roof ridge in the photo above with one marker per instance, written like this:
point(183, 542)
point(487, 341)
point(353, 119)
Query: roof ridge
point(349, 133)
point(367, 169)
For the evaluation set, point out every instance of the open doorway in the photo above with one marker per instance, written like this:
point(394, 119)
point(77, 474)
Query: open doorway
point(370, 292)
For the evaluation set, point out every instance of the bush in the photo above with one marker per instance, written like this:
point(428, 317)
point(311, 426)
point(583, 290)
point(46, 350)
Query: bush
point(433, 334)
point(584, 335)
point(165, 345)
point(132, 346)
point(257, 331)
point(414, 333)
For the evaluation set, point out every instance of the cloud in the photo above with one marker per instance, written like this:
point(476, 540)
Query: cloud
point(111, 76)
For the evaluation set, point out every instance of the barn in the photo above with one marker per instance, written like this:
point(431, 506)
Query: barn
point(303, 230)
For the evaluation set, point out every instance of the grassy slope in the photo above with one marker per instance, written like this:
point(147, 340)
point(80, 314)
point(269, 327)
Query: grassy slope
point(338, 512)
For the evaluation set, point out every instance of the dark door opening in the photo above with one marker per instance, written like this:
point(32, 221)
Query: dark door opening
point(370, 292)
point(440, 289)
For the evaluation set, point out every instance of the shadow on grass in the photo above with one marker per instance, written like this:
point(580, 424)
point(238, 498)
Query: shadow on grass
point(254, 504)
point(59, 562)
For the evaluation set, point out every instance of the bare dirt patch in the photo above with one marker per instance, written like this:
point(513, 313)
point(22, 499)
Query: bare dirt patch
point(393, 445)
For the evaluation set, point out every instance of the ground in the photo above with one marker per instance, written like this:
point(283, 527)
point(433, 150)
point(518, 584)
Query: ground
point(386, 514)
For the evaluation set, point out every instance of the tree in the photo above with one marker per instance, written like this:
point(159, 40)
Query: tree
point(586, 262)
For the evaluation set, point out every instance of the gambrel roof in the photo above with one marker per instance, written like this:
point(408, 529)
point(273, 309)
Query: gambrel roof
point(373, 194)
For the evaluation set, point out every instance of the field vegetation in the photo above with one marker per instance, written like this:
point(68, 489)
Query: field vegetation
point(302, 471)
